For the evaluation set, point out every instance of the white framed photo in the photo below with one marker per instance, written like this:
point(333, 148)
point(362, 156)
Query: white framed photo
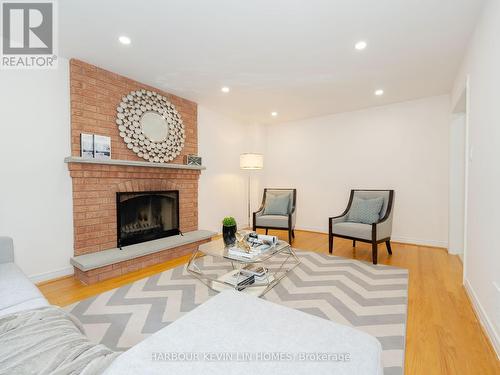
point(87, 146)
point(102, 147)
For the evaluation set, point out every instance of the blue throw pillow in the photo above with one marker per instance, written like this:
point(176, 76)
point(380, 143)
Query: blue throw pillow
point(277, 204)
point(366, 211)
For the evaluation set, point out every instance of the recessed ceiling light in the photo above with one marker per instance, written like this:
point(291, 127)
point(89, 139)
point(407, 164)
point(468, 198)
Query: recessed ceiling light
point(274, 114)
point(124, 40)
point(361, 45)
point(379, 92)
point(225, 89)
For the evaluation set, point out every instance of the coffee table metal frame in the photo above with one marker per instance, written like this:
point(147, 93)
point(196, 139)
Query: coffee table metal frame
point(260, 287)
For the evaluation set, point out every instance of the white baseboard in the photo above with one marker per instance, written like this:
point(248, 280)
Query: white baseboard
point(312, 229)
point(66, 271)
point(487, 324)
point(402, 239)
point(420, 241)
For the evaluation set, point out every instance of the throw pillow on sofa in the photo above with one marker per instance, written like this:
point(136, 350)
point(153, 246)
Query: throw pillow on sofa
point(366, 211)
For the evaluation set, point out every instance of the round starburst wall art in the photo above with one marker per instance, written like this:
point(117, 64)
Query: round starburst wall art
point(150, 126)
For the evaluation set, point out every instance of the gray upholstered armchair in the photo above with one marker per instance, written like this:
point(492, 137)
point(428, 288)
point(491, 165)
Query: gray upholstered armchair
point(277, 211)
point(378, 232)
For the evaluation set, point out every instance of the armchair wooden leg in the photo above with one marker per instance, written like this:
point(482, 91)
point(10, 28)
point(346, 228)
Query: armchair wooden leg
point(374, 252)
point(267, 231)
point(388, 245)
point(353, 243)
point(289, 236)
point(293, 233)
point(330, 243)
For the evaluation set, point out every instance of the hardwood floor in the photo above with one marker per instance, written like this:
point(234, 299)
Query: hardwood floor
point(443, 334)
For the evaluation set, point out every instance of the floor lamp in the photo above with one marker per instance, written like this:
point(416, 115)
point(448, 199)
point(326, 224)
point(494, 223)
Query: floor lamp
point(249, 162)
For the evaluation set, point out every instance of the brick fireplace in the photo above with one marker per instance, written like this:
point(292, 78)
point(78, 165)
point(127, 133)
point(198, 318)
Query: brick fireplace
point(95, 94)
point(94, 199)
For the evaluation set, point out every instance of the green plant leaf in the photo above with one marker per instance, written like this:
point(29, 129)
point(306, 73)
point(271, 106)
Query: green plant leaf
point(229, 221)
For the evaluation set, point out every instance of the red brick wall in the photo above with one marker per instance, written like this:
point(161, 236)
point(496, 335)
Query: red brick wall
point(95, 94)
point(94, 199)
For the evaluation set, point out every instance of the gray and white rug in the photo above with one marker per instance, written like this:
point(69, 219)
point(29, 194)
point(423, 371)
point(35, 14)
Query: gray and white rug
point(368, 297)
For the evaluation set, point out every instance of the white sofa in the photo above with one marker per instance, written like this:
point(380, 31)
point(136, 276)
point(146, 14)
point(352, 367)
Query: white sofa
point(17, 292)
point(245, 330)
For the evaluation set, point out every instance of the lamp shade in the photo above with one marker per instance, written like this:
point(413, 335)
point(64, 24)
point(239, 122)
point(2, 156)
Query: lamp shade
point(251, 161)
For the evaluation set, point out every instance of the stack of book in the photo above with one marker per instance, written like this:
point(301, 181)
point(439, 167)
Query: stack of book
point(258, 272)
point(242, 253)
point(240, 281)
point(259, 244)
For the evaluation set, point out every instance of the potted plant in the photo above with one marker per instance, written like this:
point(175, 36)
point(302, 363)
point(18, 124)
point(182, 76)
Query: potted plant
point(229, 230)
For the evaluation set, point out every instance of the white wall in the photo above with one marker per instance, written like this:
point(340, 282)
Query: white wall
point(457, 185)
point(402, 146)
point(482, 257)
point(223, 186)
point(35, 187)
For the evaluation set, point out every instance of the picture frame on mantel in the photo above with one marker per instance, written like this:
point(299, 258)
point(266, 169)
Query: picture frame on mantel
point(102, 147)
point(193, 160)
point(87, 146)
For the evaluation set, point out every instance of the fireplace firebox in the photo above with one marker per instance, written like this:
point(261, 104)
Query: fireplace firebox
point(146, 216)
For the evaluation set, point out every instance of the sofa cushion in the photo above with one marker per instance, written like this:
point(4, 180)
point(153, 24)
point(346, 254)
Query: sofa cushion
point(276, 221)
point(234, 323)
point(365, 211)
point(355, 230)
point(277, 204)
point(6, 250)
point(30, 304)
point(17, 292)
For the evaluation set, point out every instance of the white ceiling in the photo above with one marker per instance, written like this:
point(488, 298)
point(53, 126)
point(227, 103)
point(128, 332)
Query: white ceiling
point(295, 57)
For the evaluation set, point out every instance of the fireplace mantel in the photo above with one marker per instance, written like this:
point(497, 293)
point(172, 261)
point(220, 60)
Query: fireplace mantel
point(132, 163)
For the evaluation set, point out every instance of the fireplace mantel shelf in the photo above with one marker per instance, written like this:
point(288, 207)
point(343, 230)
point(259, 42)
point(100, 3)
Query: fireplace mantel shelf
point(131, 163)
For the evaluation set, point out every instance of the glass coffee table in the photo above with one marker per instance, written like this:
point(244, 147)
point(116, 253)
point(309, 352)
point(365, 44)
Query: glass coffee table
point(279, 260)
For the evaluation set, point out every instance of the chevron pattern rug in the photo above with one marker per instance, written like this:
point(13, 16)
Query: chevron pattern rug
point(372, 298)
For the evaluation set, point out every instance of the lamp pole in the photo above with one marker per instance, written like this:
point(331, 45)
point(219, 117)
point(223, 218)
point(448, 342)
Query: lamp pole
point(248, 206)
point(250, 161)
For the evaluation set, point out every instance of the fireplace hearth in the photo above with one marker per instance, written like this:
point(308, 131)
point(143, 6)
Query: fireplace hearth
point(146, 216)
